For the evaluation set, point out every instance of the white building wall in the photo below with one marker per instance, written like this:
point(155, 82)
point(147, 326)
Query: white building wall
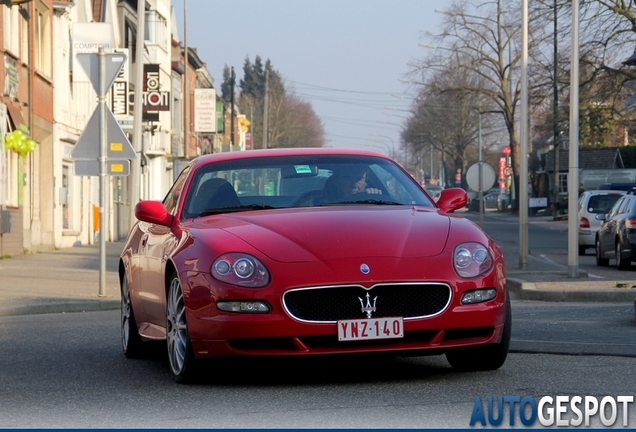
point(158, 147)
point(72, 197)
point(76, 198)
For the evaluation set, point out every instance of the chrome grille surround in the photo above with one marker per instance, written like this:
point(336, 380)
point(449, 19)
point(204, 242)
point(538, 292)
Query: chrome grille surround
point(328, 304)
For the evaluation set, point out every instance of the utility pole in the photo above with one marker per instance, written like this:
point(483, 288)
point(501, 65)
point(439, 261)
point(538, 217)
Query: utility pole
point(134, 177)
point(555, 124)
point(573, 163)
point(266, 110)
point(186, 129)
point(233, 77)
point(523, 154)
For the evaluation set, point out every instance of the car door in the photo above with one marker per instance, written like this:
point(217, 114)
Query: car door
point(607, 232)
point(626, 212)
point(156, 245)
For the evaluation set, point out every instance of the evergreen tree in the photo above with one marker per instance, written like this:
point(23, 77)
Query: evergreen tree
point(291, 122)
point(226, 85)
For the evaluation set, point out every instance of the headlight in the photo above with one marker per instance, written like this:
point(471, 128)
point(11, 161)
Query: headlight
point(471, 259)
point(240, 269)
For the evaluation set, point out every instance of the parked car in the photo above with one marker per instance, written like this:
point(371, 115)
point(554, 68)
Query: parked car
point(290, 270)
point(434, 191)
point(616, 186)
point(592, 203)
point(496, 200)
point(616, 238)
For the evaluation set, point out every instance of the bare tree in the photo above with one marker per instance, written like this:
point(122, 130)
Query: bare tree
point(446, 117)
point(607, 83)
point(486, 37)
point(291, 122)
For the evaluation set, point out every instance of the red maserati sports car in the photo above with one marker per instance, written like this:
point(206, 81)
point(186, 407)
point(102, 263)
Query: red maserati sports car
point(297, 252)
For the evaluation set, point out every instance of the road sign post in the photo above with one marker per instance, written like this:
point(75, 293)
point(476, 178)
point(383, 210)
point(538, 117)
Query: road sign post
point(113, 153)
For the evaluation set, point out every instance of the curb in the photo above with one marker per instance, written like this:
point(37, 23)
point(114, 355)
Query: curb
point(522, 290)
point(61, 307)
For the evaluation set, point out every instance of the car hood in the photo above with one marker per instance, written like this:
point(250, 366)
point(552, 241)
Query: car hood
point(310, 234)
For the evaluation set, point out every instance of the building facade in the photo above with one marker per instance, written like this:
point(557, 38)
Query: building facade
point(50, 96)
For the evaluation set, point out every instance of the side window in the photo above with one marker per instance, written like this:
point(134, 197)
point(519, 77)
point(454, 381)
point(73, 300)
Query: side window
point(614, 210)
point(172, 197)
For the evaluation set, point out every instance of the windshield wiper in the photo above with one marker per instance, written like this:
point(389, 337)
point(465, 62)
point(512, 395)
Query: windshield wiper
point(367, 201)
point(234, 209)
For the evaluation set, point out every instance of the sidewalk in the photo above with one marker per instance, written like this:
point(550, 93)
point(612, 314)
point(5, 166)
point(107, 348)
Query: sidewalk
point(549, 281)
point(67, 280)
point(64, 280)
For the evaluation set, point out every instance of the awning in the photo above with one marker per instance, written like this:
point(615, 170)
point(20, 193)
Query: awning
point(16, 116)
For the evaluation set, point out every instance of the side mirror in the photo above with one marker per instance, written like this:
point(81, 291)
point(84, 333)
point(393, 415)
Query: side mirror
point(452, 199)
point(600, 217)
point(153, 212)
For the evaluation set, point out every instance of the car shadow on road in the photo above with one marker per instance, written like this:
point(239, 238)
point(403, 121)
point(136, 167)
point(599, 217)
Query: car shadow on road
point(282, 371)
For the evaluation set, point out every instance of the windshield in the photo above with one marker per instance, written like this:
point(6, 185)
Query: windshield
point(299, 181)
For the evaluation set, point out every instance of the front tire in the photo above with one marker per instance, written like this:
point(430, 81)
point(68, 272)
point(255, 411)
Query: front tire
point(131, 342)
point(180, 353)
point(484, 358)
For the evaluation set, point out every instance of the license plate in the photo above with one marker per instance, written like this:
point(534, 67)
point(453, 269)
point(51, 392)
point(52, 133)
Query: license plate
point(373, 328)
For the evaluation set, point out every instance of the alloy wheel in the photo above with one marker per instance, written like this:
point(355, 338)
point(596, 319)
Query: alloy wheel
point(176, 329)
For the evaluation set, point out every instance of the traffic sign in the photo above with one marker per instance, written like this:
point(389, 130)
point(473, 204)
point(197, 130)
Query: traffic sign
point(117, 145)
point(117, 168)
point(487, 177)
point(113, 62)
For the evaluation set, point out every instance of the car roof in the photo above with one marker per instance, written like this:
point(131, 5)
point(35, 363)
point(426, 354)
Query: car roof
point(304, 151)
point(605, 192)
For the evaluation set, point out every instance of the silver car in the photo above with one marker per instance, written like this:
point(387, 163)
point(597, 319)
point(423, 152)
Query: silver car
point(591, 203)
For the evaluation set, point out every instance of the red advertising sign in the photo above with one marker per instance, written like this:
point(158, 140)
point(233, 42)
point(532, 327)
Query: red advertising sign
point(502, 171)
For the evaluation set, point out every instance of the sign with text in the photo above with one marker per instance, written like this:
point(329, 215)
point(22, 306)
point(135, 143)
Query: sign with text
point(204, 110)
point(119, 92)
point(154, 100)
point(88, 38)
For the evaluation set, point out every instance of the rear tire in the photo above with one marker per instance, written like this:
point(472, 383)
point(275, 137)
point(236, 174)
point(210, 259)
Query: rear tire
point(600, 261)
point(621, 263)
point(131, 342)
point(581, 250)
point(180, 353)
point(484, 358)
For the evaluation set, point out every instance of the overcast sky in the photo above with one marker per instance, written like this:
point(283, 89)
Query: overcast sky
point(345, 57)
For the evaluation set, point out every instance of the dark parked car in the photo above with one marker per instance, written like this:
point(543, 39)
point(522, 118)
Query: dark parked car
point(617, 186)
point(496, 200)
point(616, 239)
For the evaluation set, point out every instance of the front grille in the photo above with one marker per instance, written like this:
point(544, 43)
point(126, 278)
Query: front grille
point(330, 304)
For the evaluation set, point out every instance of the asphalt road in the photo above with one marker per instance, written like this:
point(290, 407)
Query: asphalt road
point(67, 371)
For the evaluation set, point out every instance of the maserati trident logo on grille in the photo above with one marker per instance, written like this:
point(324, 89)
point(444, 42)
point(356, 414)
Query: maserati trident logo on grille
point(368, 308)
point(365, 269)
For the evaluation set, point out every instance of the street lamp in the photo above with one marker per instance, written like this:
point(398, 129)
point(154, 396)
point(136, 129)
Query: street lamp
point(392, 149)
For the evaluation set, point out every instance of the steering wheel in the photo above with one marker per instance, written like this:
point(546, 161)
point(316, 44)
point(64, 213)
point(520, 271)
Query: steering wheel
point(305, 199)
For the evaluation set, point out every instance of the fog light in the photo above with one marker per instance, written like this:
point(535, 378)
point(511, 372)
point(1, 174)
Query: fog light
point(253, 306)
point(478, 296)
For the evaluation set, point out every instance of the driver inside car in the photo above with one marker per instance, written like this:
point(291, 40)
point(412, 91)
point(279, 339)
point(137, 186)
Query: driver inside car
point(348, 181)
